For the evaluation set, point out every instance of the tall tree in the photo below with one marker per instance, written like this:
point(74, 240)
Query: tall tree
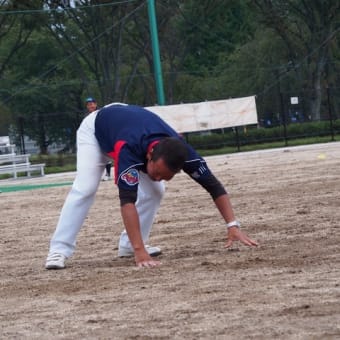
point(42, 92)
point(211, 28)
point(95, 33)
point(193, 35)
point(308, 30)
point(15, 28)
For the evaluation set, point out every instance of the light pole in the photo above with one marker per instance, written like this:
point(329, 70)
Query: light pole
point(155, 52)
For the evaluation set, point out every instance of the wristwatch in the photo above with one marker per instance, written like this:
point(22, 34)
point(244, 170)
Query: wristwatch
point(234, 224)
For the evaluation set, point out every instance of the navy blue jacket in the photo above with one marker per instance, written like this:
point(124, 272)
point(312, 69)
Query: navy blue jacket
point(126, 132)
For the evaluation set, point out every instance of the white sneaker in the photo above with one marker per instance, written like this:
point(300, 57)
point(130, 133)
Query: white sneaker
point(128, 252)
point(55, 261)
point(105, 178)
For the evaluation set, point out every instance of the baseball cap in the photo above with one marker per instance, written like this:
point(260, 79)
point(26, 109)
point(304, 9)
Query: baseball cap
point(90, 99)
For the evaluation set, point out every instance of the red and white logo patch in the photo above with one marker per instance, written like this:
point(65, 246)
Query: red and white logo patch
point(130, 177)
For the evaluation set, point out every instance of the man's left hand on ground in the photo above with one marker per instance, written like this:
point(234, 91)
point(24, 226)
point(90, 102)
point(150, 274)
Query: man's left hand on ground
point(235, 234)
point(143, 259)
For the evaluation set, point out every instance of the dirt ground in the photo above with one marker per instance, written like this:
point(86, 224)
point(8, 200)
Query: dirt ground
point(287, 288)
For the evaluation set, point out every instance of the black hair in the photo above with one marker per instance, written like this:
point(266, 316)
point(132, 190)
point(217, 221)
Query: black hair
point(173, 151)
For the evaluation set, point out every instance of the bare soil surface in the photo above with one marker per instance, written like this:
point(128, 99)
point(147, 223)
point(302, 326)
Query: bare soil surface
point(286, 288)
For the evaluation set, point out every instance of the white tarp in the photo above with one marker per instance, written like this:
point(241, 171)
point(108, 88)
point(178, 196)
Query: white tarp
point(208, 115)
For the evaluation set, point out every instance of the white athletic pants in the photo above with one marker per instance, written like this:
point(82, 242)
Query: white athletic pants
point(90, 166)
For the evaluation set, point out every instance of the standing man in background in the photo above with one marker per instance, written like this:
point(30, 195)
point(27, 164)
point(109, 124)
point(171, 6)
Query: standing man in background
point(91, 106)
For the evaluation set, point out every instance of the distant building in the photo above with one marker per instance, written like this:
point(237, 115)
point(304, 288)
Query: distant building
point(28, 146)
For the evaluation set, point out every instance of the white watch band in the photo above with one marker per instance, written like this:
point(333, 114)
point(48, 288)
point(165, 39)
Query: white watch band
point(233, 224)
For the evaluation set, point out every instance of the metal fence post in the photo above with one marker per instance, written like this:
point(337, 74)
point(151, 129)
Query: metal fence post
point(330, 114)
point(284, 120)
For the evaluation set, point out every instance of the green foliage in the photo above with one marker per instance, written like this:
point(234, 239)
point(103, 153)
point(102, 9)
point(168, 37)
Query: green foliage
point(258, 135)
point(211, 28)
point(61, 160)
point(38, 99)
point(5, 121)
point(51, 60)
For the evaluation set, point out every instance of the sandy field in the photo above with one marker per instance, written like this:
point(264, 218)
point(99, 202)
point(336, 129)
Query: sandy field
point(287, 288)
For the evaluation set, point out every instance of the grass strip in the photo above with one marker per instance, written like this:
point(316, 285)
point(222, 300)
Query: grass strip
point(11, 188)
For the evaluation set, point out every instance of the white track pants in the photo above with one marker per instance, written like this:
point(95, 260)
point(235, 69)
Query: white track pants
point(90, 166)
